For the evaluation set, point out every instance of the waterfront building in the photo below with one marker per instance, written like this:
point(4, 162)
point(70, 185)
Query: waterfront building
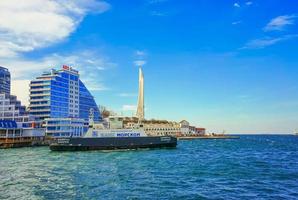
point(17, 127)
point(9, 128)
point(201, 131)
point(65, 127)
point(61, 94)
point(196, 131)
point(11, 109)
point(4, 80)
point(187, 129)
point(184, 125)
point(12, 134)
point(153, 127)
point(162, 128)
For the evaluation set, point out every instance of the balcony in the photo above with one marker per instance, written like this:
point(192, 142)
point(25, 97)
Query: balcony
point(39, 89)
point(41, 95)
point(40, 99)
point(38, 105)
point(40, 84)
point(41, 110)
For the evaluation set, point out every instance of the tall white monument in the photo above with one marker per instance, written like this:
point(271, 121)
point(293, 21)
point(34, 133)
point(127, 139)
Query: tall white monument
point(140, 109)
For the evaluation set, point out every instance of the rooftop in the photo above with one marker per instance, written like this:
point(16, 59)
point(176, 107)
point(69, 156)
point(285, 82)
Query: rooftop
point(4, 69)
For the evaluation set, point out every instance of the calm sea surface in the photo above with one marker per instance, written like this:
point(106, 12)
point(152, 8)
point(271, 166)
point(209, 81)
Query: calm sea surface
point(253, 167)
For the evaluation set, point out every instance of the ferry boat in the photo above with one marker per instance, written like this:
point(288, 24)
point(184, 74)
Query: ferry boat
point(113, 137)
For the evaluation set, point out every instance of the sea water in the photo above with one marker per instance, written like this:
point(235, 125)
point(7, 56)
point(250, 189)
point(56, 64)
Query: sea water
point(252, 167)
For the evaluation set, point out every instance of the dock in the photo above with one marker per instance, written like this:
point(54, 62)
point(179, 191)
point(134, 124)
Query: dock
point(21, 142)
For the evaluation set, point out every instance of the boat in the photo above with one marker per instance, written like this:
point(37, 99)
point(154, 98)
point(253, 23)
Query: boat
point(113, 137)
point(113, 134)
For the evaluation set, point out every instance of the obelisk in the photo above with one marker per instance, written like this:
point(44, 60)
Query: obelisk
point(140, 109)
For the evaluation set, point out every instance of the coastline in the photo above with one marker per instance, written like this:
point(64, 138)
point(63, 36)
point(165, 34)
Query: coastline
point(208, 137)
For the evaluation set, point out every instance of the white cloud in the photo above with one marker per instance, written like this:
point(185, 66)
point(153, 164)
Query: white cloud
point(279, 23)
point(140, 62)
point(265, 42)
point(85, 61)
point(94, 86)
point(248, 3)
point(127, 94)
point(140, 53)
point(156, 1)
point(237, 5)
point(90, 65)
point(158, 13)
point(140, 58)
point(236, 22)
point(26, 25)
point(129, 108)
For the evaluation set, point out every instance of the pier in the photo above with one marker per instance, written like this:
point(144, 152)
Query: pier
point(21, 142)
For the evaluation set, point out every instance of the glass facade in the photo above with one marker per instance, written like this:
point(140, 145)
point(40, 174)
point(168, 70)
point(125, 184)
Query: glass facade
point(4, 80)
point(65, 127)
point(61, 94)
point(87, 102)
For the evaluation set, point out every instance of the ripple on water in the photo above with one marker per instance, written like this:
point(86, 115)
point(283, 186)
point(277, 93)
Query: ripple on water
point(253, 167)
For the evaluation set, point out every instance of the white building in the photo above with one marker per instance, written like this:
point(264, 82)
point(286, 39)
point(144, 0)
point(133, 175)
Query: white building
point(17, 127)
point(11, 109)
point(65, 127)
point(154, 127)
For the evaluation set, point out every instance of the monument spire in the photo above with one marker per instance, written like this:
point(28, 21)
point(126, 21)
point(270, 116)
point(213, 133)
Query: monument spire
point(140, 109)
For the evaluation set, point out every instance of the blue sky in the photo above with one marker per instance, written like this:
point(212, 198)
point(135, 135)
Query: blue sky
point(229, 65)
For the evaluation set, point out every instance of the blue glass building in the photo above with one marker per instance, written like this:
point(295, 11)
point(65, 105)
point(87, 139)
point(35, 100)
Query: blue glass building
point(61, 94)
point(4, 80)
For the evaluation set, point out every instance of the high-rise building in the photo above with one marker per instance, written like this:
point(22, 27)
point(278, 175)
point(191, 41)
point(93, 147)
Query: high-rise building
point(61, 94)
point(4, 80)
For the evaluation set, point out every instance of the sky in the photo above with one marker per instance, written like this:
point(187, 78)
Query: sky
point(223, 65)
